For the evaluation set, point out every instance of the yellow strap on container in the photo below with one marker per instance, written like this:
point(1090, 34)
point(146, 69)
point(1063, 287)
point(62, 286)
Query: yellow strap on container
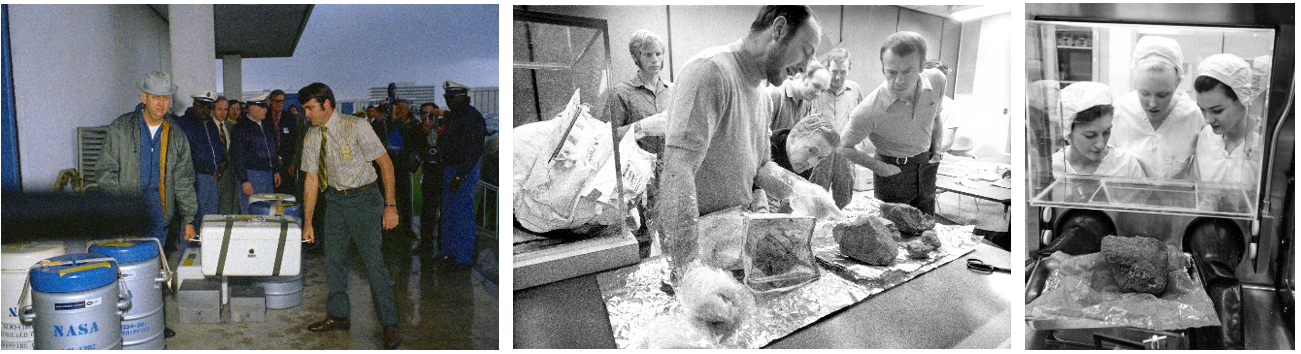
point(79, 268)
point(117, 244)
point(162, 168)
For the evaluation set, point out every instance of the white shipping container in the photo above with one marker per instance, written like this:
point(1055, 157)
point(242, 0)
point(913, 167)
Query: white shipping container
point(247, 245)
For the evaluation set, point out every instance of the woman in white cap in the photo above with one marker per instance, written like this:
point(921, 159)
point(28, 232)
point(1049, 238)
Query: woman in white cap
point(1154, 117)
point(1087, 123)
point(1228, 147)
point(1260, 69)
point(1227, 152)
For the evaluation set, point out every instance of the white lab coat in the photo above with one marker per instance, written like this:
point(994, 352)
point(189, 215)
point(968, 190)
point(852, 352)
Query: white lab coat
point(1166, 151)
point(1117, 163)
point(1215, 164)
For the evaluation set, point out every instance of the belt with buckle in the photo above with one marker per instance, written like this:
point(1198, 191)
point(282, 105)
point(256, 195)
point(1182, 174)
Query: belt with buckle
point(353, 191)
point(925, 156)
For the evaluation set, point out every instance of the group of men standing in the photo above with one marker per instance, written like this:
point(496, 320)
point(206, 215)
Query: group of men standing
point(718, 154)
point(222, 151)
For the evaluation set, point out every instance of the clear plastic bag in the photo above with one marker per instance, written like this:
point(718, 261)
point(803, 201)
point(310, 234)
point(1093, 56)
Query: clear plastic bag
point(778, 252)
point(1082, 288)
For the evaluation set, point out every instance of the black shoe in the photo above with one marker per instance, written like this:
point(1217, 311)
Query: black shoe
point(329, 323)
point(168, 332)
point(391, 337)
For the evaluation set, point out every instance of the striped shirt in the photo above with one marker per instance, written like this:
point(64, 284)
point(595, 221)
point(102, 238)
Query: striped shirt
point(350, 148)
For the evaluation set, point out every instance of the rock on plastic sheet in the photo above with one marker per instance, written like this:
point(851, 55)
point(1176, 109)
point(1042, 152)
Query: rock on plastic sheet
point(1083, 288)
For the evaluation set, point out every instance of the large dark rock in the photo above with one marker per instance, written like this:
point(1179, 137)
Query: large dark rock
point(868, 240)
point(910, 221)
point(1140, 264)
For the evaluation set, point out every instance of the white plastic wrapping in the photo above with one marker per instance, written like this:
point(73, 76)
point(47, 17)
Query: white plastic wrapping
point(576, 187)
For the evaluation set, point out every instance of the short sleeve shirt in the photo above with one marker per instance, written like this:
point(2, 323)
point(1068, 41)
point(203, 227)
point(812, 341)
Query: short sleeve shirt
point(786, 108)
point(717, 109)
point(350, 147)
point(837, 105)
point(898, 127)
point(949, 116)
point(631, 101)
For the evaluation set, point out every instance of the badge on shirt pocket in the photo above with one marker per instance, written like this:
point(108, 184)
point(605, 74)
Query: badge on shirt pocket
point(347, 153)
point(286, 130)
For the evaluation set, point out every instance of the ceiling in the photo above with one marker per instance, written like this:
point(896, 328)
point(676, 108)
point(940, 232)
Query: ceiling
point(940, 10)
point(255, 31)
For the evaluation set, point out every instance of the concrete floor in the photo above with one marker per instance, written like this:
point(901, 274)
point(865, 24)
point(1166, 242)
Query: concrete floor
point(439, 308)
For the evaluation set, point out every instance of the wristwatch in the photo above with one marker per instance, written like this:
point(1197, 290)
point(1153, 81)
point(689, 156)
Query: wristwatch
point(390, 204)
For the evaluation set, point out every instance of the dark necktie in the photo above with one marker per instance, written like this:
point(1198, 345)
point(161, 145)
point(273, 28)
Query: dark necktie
point(325, 181)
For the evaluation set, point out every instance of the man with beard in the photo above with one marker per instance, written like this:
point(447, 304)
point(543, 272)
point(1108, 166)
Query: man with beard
point(717, 146)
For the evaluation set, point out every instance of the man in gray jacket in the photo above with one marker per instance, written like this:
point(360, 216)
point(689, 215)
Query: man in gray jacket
point(146, 153)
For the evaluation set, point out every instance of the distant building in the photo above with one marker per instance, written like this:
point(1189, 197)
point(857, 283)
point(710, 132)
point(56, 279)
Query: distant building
point(483, 98)
point(408, 91)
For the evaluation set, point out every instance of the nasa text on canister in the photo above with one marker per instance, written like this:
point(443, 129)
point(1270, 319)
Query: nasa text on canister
point(142, 271)
point(77, 303)
point(17, 259)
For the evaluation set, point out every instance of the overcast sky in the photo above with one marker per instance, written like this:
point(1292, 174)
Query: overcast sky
point(355, 47)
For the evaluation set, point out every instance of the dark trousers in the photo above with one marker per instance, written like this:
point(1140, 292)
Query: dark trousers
point(402, 185)
point(289, 185)
point(356, 219)
point(913, 185)
point(228, 192)
point(431, 191)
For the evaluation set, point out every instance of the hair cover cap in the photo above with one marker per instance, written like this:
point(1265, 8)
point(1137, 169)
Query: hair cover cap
point(1231, 71)
point(1260, 68)
point(1081, 96)
point(1159, 49)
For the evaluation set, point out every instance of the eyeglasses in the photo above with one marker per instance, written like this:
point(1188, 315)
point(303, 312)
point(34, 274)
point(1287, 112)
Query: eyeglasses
point(276, 101)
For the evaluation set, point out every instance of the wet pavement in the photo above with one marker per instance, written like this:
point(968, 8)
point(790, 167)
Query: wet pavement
point(439, 307)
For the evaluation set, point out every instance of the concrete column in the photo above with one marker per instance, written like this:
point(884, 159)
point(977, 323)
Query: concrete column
point(193, 52)
point(232, 76)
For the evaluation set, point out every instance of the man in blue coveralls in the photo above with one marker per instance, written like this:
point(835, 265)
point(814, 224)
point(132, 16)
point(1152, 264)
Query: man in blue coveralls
point(460, 149)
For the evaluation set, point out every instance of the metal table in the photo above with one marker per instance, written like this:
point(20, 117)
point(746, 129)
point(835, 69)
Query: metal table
point(949, 307)
point(948, 180)
point(952, 172)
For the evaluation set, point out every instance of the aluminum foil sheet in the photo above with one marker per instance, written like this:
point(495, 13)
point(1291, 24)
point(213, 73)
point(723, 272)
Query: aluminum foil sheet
point(635, 296)
point(1082, 294)
point(957, 241)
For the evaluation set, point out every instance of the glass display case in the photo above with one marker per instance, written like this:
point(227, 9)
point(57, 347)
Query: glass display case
point(1057, 53)
point(557, 58)
point(555, 55)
